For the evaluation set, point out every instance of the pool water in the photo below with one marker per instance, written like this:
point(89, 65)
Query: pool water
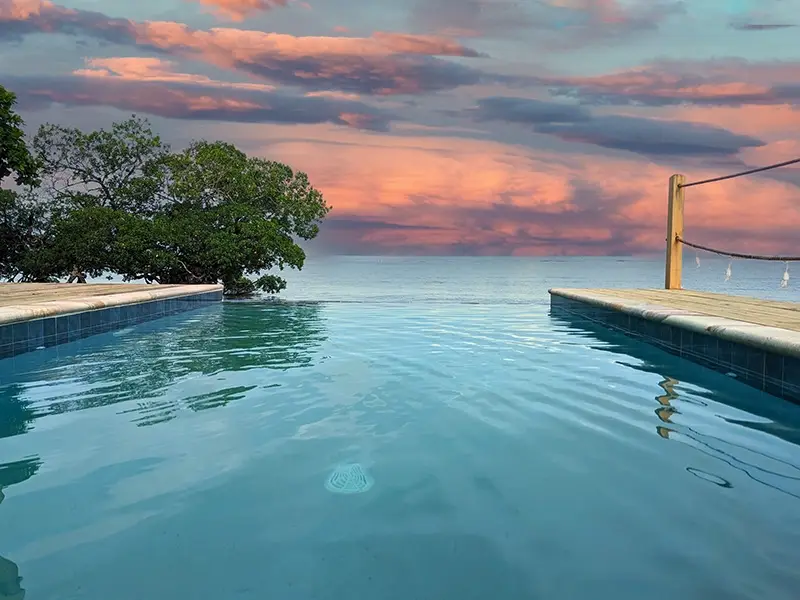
point(381, 449)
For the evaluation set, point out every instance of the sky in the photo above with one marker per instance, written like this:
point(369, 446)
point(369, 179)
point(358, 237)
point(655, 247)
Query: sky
point(453, 127)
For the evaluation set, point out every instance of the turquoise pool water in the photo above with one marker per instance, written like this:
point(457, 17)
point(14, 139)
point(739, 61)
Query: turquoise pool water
point(423, 432)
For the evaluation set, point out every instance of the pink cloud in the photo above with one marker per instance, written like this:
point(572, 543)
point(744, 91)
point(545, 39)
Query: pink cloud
point(239, 10)
point(137, 68)
point(715, 82)
point(383, 63)
point(332, 94)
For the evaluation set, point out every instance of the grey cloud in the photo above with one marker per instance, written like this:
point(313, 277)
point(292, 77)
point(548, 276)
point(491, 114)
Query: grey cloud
point(480, 17)
point(652, 137)
point(761, 26)
point(397, 74)
point(649, 137)
point(528, 110)
point(196, 102)
point(565, 26)
point(59, 19)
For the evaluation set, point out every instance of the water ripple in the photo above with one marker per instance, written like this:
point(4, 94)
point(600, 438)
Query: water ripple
point(562, 444)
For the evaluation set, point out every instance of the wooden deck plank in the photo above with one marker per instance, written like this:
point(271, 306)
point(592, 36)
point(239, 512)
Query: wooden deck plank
point(770, 313)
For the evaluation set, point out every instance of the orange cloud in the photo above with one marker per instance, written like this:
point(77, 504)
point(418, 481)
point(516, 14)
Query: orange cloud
point(449, 195)
point(332, 94)
point(138, 68)
point(226, 44)
point(239, 10)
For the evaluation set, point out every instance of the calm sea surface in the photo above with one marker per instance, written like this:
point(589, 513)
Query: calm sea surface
point(399, 428)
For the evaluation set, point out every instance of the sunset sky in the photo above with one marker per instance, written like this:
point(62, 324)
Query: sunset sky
point(453, 126)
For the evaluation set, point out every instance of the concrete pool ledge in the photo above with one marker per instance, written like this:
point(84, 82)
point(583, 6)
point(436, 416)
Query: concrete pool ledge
point(758, 341)
point(40, 315)
point(765, 337)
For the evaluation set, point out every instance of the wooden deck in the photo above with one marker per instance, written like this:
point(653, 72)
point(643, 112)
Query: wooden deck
point(26, 294)
point(770, 313)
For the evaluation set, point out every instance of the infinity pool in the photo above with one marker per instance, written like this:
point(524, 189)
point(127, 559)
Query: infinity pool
point(279, 450)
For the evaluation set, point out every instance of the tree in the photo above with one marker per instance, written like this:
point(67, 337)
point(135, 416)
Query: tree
point(121, 169)
point(26, 249)
point(15, 158)
point(118, 201)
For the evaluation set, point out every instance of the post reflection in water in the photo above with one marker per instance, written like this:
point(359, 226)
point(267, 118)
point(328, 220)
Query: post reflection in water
point(10, 581)
point(665, 413)
point(178, 363)
point(777, 418)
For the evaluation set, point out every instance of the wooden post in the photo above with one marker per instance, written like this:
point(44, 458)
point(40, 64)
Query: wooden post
point(674, 263)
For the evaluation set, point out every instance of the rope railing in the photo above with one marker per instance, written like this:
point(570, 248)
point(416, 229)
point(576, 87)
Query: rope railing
point(750, 172)
point(676, 241)
point(737, 254)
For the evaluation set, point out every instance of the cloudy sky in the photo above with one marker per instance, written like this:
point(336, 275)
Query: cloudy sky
point(453, 126)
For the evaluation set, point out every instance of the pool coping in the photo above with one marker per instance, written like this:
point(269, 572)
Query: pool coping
point(17, 313)
point(763, 337)
point(41, 324)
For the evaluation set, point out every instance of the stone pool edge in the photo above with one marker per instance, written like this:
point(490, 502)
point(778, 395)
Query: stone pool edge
point(44, 324)
point(767, 358)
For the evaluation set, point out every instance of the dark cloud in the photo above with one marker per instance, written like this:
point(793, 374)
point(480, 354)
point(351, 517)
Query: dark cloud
point(366, 225)
point(528, 110)
point(649, 137)
point(18, 20)
point(195, 102)
point(652, 137)
point(390, 76)
point(760, 26)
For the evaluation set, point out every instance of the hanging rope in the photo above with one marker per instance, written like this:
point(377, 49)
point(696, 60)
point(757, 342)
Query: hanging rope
point(738, 255)
point(750, 172)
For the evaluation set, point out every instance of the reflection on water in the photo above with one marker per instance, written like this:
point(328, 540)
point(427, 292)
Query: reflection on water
point(500, 453)
point(16, 413)
point(145, 363)
point(10, 581)
point(771, 471)
point(16, 472)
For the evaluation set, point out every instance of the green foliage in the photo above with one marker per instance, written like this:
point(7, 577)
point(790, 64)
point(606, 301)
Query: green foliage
point(26, 239)
point(118, 201)
point(121, 168)
point(14, 154)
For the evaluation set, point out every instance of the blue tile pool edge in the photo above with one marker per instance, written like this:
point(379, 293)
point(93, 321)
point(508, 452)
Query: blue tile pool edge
point(769, 372)
point(26, 336)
